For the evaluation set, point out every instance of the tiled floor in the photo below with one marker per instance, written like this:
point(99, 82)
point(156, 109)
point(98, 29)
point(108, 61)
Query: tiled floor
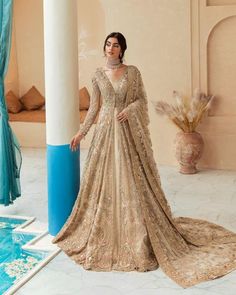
point(209, 194)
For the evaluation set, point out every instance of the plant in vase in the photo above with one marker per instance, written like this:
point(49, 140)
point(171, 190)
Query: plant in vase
point(186, 114)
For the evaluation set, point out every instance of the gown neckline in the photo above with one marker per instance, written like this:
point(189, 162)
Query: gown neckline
point(117, 80)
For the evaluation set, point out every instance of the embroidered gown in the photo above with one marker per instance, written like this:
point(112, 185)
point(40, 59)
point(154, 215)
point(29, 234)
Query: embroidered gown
point(121, 219)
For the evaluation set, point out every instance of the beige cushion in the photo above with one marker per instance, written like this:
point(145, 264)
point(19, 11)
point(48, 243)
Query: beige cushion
point(13, 103)
point(28, 116)
point(33, 99)
point(84, 99)
point(39, 116)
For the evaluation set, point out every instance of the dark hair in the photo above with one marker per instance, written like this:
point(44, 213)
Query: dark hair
point(121, 40)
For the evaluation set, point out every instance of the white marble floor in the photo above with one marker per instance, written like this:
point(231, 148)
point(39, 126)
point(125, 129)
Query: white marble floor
point(209, 194)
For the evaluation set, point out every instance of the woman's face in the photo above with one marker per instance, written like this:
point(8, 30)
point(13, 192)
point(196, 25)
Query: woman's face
point(112, 48)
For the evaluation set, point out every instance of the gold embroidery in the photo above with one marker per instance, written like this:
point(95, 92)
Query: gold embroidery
point(133, 211)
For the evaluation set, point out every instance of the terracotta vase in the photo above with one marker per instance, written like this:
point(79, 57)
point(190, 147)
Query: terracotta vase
point(189, 149)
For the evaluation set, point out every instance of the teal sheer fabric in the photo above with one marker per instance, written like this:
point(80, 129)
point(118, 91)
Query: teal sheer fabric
point(10, 156)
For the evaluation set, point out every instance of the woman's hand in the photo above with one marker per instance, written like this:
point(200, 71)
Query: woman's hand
point(75, 141)
point(122, 116)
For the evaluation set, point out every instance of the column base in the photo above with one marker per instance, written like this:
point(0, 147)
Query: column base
point(63, 184)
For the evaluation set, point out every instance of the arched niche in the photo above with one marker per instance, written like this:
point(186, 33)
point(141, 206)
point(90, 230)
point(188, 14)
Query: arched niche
point(221, 64)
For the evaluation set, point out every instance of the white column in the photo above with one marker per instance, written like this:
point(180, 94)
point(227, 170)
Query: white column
point(61, 70)
point(62, 107)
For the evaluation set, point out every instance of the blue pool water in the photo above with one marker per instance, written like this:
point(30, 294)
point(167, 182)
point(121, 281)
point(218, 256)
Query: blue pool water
point(14, 261)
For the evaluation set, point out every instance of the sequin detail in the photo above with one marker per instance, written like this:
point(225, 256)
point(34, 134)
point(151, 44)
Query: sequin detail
point(121, 219)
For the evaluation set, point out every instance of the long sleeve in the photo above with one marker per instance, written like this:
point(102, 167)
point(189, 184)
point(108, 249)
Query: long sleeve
point(93, 108)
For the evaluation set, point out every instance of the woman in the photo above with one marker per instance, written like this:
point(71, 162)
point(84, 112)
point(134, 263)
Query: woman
point(121, 219)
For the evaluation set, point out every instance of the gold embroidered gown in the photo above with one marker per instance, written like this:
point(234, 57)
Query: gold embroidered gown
point(121, 219)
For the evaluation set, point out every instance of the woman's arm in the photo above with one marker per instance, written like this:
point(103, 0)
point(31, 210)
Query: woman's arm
point(93, 109)
point(90, 117)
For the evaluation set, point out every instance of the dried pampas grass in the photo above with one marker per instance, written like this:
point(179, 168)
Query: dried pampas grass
point(186, 114)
